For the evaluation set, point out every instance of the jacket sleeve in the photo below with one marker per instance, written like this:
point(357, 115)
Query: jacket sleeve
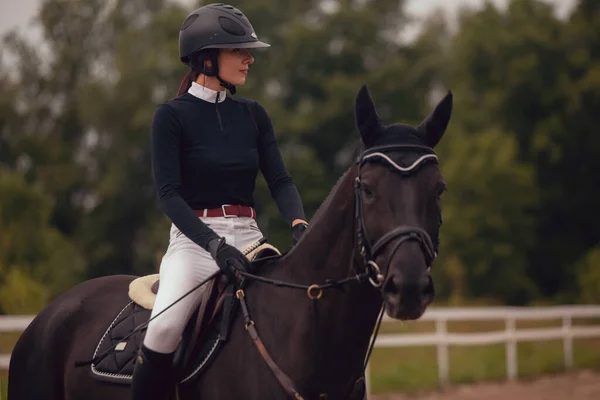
point(165, 153)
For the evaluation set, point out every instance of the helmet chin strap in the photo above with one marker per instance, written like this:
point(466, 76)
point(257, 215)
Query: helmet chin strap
point(214, 70)
point(227, 85)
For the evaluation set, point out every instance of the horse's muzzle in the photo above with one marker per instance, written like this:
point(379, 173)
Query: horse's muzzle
point(408, 299)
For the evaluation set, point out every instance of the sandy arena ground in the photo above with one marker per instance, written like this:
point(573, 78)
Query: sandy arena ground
point(582, 385)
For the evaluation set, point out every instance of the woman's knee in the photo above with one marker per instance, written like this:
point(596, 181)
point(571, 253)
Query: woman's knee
point(163, 334)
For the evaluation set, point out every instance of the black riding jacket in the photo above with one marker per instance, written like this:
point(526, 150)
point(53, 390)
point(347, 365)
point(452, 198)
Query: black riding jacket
point(207, 153)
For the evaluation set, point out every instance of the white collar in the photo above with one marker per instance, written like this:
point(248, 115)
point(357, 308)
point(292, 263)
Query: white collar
point(205, 93)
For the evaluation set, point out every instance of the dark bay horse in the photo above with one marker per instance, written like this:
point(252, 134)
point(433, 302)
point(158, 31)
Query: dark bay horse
point(380, 222)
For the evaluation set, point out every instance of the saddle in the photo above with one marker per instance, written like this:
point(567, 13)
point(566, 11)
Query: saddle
point(205, 332)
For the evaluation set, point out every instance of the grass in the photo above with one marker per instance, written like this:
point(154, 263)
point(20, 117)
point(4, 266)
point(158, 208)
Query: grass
point(4, 383)
point(414, 369)
point(411, 370)
point(7, 342)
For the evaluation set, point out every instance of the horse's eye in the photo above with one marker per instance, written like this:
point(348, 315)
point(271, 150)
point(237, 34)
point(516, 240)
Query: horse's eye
point(368, 192)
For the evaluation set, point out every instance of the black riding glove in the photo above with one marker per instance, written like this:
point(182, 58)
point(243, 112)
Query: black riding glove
point(229, 259)
point(297, 232)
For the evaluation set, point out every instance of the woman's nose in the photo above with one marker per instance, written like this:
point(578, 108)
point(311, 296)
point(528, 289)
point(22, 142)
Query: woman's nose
point(248, 59)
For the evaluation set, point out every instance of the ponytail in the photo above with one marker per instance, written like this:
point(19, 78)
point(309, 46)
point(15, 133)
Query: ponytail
point(186, 82)
point(198, 66)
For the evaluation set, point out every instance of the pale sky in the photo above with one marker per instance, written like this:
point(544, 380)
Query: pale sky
point(19, 13)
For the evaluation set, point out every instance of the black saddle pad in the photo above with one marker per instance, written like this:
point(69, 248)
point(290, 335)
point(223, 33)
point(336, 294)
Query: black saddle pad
point(119, 360)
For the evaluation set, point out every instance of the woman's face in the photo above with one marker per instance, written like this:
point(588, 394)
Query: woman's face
point(233, 65)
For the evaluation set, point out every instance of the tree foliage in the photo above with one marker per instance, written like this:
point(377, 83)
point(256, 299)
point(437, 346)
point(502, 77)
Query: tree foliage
point(37, 262)
point(76, 193)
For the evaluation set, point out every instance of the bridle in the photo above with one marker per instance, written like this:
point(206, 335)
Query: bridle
point(405, 232)
point(369, 271)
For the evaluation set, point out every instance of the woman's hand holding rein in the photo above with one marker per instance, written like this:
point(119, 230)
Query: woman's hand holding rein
point(228, 258)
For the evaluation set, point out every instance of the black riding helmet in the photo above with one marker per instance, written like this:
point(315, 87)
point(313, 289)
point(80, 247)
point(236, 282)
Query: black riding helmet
point(215, 26)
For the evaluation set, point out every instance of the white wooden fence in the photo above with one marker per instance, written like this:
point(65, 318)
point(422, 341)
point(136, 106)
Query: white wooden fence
point(443, 339)
point(510, 336)
point(12, 323)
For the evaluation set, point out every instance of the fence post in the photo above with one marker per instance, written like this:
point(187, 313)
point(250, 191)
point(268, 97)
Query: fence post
point(567, 342)
point(442, 352)
point(511, 350)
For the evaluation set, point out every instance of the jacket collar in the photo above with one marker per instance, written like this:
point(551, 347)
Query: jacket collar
point(206, 94)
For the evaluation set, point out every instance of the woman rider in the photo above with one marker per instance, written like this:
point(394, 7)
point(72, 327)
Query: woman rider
point(207, 148)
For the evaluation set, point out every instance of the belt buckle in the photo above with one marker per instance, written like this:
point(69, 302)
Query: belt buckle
point(225, 213)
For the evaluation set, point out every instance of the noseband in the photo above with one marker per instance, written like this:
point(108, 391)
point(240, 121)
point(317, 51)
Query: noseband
point(405, 232)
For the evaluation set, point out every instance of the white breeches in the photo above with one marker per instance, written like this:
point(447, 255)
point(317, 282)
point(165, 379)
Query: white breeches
point(184, 265)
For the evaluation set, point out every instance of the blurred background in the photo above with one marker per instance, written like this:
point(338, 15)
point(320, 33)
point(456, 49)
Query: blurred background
point(80, 79)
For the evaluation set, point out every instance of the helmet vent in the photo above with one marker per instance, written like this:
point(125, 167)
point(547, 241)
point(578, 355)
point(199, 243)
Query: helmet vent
point(188, 21)
point(231, 27)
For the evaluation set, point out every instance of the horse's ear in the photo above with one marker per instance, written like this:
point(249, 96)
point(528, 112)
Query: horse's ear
point(367, 120)
point(434, 126)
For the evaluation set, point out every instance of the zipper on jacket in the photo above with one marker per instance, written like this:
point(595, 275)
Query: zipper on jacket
point(218, 114)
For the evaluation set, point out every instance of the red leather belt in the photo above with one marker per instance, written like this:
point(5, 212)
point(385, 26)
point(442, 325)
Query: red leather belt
point(227, 211)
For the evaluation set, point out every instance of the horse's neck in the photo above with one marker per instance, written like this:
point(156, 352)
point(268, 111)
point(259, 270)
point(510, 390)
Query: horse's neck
point(345, 318)
point(325, 251)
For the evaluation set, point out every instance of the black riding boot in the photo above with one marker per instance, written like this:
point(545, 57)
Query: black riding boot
point(153, 376)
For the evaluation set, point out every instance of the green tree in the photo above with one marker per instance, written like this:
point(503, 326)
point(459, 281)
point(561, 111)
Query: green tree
point(36, 261)
point(124, 231)
point(588, 276)
point(533, 76)
point(519, 159)
point(488, 224)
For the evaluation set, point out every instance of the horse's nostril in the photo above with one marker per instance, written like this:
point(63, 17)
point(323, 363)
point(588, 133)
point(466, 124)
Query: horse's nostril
point(424, 282)
point(419, 288)
point(428, 289)
point(392, 285)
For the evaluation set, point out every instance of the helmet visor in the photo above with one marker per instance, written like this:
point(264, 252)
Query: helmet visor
point(240, 45)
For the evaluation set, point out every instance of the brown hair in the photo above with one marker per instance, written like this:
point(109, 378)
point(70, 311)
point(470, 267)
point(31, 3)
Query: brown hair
point(186, 82)
point(198, 64)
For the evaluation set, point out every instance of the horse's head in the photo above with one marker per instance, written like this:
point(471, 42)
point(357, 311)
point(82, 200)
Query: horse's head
point(398, 191)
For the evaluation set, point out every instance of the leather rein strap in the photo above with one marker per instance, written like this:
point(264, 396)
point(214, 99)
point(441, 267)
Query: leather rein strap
point(284, 380)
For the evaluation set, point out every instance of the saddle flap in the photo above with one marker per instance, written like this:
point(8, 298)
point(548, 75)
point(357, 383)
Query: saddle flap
point(203, 316)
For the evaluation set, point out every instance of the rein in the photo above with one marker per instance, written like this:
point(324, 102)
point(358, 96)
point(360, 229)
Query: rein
point(371, 271)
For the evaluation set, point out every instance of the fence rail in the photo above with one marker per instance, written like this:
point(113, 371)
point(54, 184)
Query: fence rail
point(510, 336)
point(442, 339)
